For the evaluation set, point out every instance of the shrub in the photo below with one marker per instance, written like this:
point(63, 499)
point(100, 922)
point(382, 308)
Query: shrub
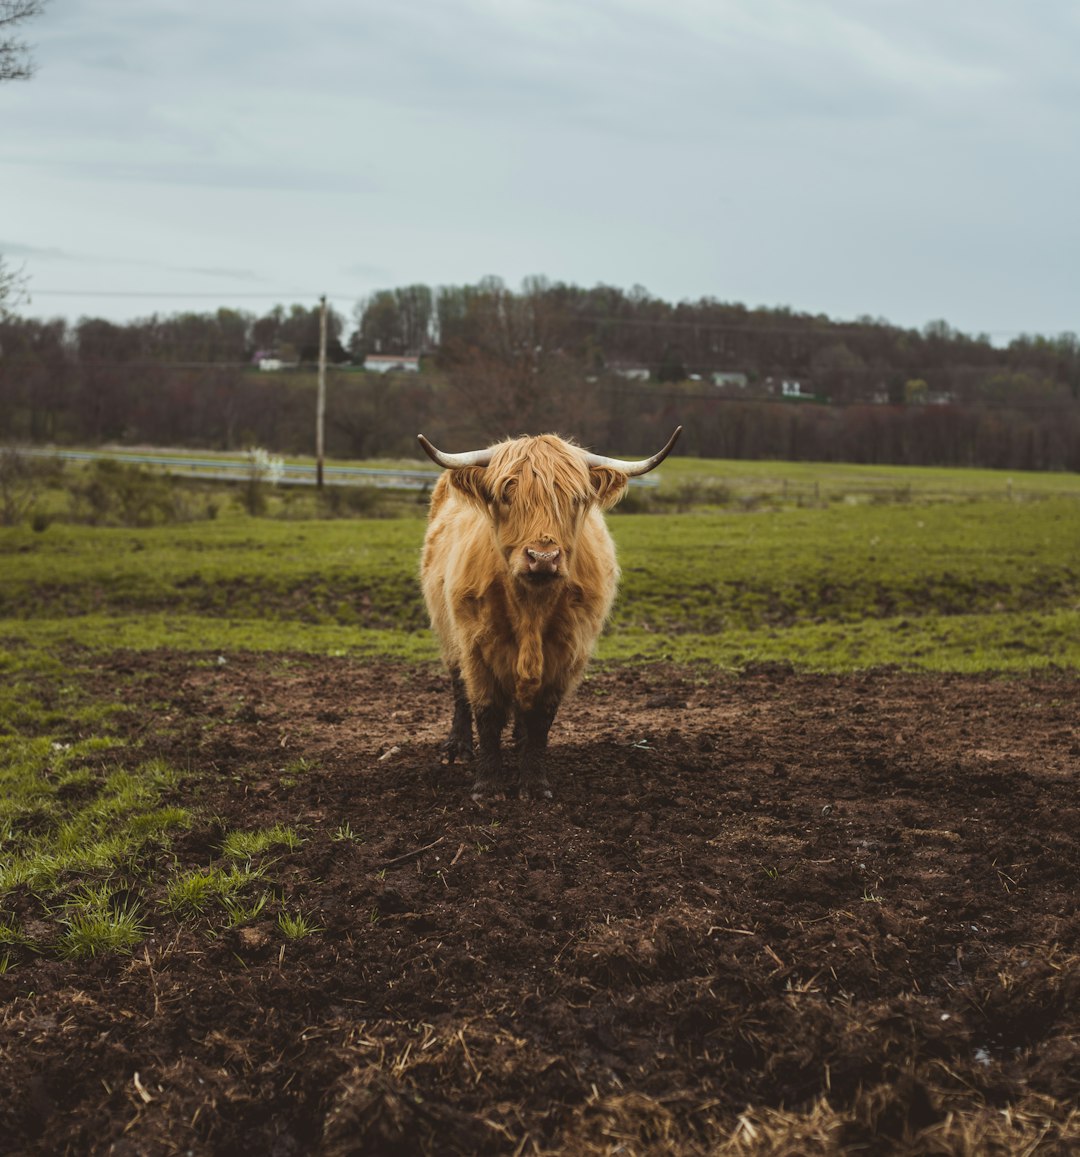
point(22, 480)
point(118, 492)
point(350, 501)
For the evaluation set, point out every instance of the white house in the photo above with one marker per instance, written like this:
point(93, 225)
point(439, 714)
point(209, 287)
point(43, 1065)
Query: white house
point(392, 363)
point(790, 388)
point(634, 373)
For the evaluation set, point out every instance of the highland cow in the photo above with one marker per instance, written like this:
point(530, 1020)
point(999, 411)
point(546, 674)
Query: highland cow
point(519, 574)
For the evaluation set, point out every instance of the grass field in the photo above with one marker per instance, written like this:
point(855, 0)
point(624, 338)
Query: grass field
point(833, 569)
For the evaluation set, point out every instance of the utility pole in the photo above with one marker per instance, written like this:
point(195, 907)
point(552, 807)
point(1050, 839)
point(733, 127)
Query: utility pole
point(320, 405)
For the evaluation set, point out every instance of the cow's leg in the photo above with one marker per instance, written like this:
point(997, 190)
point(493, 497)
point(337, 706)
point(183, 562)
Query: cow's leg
point(535, 725)
point(460, 743)
point(490, 777)
point(519, 731)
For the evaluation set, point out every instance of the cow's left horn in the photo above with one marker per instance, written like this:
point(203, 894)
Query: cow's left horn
point(454, 461)
point(633, 469)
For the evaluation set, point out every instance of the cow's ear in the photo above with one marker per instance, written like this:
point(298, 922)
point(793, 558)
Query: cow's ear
point(472, 482)
point(609, 484)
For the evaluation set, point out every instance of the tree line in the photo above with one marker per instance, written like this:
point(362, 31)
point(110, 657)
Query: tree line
point(498, 361)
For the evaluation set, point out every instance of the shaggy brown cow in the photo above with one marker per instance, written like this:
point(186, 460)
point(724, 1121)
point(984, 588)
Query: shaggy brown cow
point(519, 574)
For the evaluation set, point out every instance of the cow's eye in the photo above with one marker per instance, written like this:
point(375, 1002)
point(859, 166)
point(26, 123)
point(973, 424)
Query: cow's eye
point(507, 495)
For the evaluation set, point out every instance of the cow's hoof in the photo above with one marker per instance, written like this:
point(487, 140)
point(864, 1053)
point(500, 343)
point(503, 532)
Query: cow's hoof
point(454, 751)
point(485, 790)
point(538, 789)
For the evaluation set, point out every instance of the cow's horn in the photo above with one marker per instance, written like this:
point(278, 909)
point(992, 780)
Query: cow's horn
point(633, 469)
point(454, 461)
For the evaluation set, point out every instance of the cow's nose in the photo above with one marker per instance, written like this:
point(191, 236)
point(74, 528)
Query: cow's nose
point(543, 561)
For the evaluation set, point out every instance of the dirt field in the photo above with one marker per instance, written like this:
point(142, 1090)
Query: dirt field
point(770, 913)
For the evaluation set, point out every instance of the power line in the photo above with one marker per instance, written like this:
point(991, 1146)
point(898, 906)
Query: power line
point(133, 364)
point(162, 293)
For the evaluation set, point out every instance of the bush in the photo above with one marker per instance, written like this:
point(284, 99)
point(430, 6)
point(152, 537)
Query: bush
point(635, 501)
point(350, 502)
point(22, 479)
point(694, 491)
point(129, 495)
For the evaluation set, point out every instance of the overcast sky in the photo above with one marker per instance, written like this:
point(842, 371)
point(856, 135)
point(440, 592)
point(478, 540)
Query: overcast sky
point(908, 159)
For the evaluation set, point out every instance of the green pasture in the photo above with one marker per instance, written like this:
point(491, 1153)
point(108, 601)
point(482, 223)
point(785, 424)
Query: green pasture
point(986, 577)
point(854, 483)
point(827, 568)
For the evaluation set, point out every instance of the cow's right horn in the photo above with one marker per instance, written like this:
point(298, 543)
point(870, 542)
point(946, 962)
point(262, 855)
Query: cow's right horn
point(633, 469)
point(454, 461)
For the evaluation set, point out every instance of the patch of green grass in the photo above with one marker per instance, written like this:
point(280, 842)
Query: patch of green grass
point(966, 644)
point(222, 637)
point(709, 573)
point(245, 845)
point(70, 821)
point(296, 926)
point(238, 911)
point(312, 571)
point(344, 833)
point(79, 814)
point(300, 766)
point(190, 893)
point(96, 922)
point(84, 824)
point(751, 485)
point(12, 935)
point(60, 818)
point(40, 693)
point(194, 892)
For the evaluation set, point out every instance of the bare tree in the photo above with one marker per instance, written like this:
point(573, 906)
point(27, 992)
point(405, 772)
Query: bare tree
point(16, 63)
point(12, 288)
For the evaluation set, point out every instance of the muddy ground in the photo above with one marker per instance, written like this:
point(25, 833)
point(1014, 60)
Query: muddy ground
point(768, 913)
